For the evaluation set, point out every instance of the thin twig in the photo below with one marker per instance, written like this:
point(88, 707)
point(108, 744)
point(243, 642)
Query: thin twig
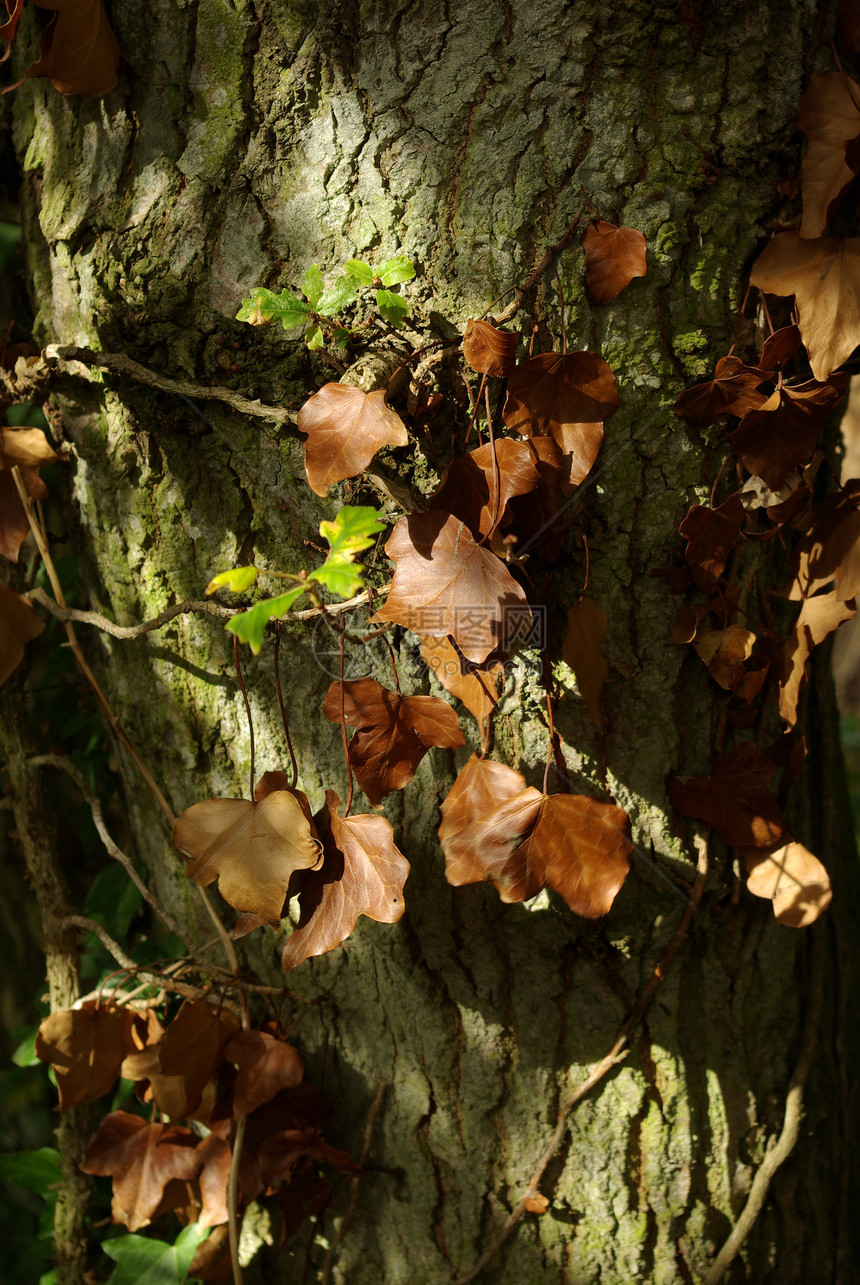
point(123, 365)
point(514, 307)
point(615, 1055)
point(289, 739)
point(780, 1150)
point(125, 961)
point(128, 631)
point(238, 665)
point(349, 1216)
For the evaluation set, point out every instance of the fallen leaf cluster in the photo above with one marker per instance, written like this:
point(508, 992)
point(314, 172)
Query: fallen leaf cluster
point(201, 1067)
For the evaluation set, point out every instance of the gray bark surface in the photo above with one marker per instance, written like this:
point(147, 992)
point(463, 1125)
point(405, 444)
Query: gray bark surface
point(245, 142)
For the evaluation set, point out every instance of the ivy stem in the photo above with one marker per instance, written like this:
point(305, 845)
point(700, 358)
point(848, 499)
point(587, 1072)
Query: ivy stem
point(295, 766)
point(343, 729)
point(393, 663)
point(238, 665)
point(557, 275)
point(475, 405)
point(497, 476)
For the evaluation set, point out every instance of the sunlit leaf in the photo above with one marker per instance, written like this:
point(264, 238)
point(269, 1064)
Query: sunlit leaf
point(264, 306)
point(237, 580)
point(249, 626)
point(362, 272)
point(395, 270)
point(312, 285)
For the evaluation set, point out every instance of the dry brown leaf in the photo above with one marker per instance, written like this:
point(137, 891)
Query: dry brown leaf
point(393, 732)
point(14, 527)
point(824, 277)
point(141, 1158)
point(733, 390)
point(613, 257)
point(479, 491)
point(19, 625)
point(711, 535)
point(488, 350)
point(79, 51)
point(827, 115)
point(253, 849)
point(780, 436)
point(445, 583)
point(363, 874)
point(536, 1204)
point(475, 685)
point(193, 1047)
point(581, 649)
point(830, 549)
point(567, 398)
point(86, 1047)
point(266, 1065)
point(724, 651)
point(486, 812)
point(818, 617)
point(795, 882)
point(26, 447)
point(778, 347)
point(735, 799)
point(345, 428)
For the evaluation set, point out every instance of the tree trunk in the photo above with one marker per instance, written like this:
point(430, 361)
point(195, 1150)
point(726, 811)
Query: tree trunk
point(245, 142)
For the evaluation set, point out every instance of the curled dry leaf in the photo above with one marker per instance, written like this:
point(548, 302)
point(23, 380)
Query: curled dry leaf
point(566, 397)
point(613, 257)
point(711, 535)
point(85, 1046)
point(445, 583)
point(824, 277)
point(79, 51)
point(14, 527)
point(581, 649)
point(266, 1065)
point(818, 617)
point(363, 874)
point(476, 686)
point(827, 114)
point(193, 1047)
point(393, 732)
point(724, 651)
point(734, 390)
point(488, 350)
point(735, 799)
point(780, 436)
point(795, 882)
point(142, 1159)
point(778, 347)
point(345, 428)
point(480, 492)
point(576, 845)
point(830, 549)
point(19, 625)
point(253, 849)
point(26, 447)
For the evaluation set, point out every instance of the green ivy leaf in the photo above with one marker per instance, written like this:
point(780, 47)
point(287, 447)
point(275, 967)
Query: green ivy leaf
point(312, 286)
point(264, 306)
point(340, 295)
point(25, 1051)
point(37, 1170)
point(113, 900)
point(354, 528)
point(342, 336)
point(314, 336)
point(340, 575)
point(143, 1261)
point(362, 272)
point(391, 306)
point(249, 626)
point(237, 580)
point(396, 270)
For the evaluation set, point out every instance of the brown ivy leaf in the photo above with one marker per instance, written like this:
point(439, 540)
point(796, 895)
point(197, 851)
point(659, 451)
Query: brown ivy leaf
point(345, 428)
point(778, 347)
point(724, 651)
point(532, 518)
point(475, 685)
point(795, 882)
point(215, 1155)
point(445, 583)
point(141, 1158)
point(565, 397)
point(735, 799)
point(586, 630)
point(266, 1065)
point(19, 625)
point(14, 9)
point(734, 390)
point(613, 257)
point(211, 1261)
point(363, 874)
point(14, 527)
point(479, 491)
point(86, 1047)
point(711, 535)
point(26, 447)
point(488, 350)
point(79, 51)
point(780, 436)
point(193, 1047)
point(818, 617)
point(830, 549)
point(824, 277)
point(252, 849)
point(827, 115)
point(486, 813)
point(393, 732)
point(281, 1152)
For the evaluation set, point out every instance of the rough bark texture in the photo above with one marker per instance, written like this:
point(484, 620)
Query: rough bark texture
point(246, 141)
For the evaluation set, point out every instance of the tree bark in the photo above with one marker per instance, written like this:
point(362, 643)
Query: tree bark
point(246, 141)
